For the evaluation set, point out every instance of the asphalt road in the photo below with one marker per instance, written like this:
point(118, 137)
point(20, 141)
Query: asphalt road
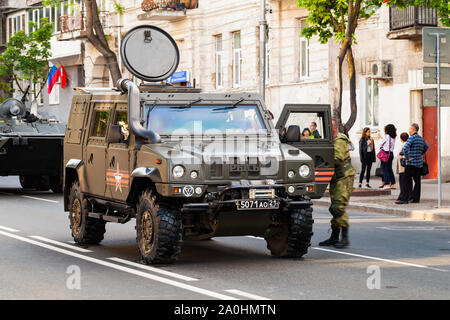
point(389, 258)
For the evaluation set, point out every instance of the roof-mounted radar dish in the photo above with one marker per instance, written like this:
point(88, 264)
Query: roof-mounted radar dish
point(150, 53)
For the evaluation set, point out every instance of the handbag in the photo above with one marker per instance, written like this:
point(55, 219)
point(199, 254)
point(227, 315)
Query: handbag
point(382, 155)
point(425, 169)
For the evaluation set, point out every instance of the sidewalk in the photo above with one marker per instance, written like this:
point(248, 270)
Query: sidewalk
point(425, 210)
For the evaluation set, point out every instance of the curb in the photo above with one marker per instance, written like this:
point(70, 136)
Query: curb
point(437, 215)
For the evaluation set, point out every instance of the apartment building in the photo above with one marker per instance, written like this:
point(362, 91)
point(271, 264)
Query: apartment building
point(219, 46)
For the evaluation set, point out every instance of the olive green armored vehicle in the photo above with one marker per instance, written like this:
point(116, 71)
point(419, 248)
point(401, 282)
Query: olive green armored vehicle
point(189, 165)
point(31, 148)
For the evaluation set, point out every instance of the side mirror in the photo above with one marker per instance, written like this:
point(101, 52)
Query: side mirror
point(114, 134)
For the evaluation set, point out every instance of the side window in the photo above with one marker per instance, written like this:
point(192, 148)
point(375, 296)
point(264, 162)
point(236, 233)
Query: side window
point(309, 125)
point(100, 124)
point(122, 121)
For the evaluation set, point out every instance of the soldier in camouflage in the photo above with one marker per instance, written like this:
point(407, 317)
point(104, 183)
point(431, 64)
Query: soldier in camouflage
point(341, 187)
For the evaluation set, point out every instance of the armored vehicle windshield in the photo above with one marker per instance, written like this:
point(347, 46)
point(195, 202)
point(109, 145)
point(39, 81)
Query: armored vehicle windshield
point(190, 120)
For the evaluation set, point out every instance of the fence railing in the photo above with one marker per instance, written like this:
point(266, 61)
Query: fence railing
point(411, 17)
point(149, 5)
point(77, 22)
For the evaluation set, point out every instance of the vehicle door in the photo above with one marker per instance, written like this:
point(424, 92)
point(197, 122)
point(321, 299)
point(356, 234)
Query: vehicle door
point(118, 158)
point(293, 124)
point(95, 155)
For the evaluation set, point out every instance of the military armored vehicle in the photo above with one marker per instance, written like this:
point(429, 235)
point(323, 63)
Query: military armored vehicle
point(189, 165)
point(31, 148)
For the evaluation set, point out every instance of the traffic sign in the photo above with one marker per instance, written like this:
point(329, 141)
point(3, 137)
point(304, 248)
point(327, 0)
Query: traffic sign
point(430, 47)
point(430, 75)
point(430, 98)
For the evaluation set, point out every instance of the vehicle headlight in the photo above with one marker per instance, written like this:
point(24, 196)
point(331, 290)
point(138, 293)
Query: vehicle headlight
point(194, 175)
point(304, 171)
point(291, 174)
point(178, 171)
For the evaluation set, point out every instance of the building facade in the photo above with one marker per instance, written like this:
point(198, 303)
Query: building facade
point(219, 46)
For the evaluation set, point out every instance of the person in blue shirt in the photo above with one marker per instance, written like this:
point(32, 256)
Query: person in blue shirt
point(413, 150)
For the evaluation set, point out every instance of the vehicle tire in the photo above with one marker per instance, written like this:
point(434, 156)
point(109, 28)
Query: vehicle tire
point(41, 183)
point(158, 229)
point(26, 182)
point(85, 230)
point(56, 184)
point(291, 238)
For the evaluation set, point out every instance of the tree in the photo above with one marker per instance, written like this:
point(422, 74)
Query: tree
point(339, 19)
point(96, 35)
point(26, 58)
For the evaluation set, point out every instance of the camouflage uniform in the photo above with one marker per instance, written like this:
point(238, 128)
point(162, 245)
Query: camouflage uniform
point(341, 185)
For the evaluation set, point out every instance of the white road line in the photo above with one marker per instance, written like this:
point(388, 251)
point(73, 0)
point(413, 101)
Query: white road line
point(253, 237)
point(381, 259)
point(153, 269)
point(61, 244)
point(121, 268)
point(8, 229)
point(246, 294)
point(40, 199)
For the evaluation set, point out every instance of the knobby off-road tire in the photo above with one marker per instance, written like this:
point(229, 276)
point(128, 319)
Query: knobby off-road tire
point(292, 237)
point(158, 229)
point(85, 230)
point(56, 184)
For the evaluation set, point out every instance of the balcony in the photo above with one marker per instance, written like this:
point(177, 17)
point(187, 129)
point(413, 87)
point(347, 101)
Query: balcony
point(166, 10)
point(408, 23)
point(73, 26)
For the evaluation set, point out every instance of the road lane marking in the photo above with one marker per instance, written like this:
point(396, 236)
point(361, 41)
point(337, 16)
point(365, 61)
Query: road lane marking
point(8, 229)
point(246, 294)
point(65, 245)
point(40, 199)
point(122, 268)
point(427, 228)
point(381, 259)
point(153, 269)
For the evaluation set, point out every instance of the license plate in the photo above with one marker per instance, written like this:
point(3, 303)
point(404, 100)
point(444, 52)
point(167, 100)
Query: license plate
point(257, 204)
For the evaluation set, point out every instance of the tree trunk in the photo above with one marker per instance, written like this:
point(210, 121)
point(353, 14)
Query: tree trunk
point(352, 81)
point(97, 38)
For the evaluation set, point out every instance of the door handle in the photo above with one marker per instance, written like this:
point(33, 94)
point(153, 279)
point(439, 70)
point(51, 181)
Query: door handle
point(91, 158)
point(112, 163)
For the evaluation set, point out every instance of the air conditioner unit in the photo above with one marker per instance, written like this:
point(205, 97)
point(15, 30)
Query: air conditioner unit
point(380, 69)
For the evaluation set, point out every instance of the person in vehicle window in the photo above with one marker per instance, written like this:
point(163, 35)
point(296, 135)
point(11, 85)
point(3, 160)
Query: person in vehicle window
point(306, 134)
point(314, 132)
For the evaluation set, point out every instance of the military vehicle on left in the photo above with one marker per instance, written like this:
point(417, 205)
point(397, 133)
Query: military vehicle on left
point(30, 147)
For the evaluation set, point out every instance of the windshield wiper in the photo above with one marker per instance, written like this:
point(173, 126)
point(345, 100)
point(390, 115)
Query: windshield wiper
point(190, 104)
point(234, 106)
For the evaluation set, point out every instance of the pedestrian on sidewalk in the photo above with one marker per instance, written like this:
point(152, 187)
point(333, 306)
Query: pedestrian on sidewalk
point(366, 156)
point(414, 150)
point(387, 146)
point(401, 164)
point(341, 187)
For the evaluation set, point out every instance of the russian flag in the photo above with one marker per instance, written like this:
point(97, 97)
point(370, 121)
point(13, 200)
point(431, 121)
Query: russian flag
point(53, 77)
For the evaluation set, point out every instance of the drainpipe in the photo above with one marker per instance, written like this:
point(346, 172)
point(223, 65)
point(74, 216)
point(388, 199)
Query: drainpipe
point(134, 117)
point(262, 53)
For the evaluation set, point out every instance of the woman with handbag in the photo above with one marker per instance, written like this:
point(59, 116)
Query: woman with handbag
point(386, 156)
point(366, 156)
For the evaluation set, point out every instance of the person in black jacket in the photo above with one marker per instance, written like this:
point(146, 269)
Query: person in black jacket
point(366, 155)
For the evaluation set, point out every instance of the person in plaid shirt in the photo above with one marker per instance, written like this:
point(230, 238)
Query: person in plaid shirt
point(414, 149)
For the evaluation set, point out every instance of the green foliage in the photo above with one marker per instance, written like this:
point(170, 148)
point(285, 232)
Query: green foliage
point(329, 19)
point(26, 55)
point(118, 8)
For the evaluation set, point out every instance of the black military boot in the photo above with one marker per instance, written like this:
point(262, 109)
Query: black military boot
point(344, 239)
point(333, 239)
